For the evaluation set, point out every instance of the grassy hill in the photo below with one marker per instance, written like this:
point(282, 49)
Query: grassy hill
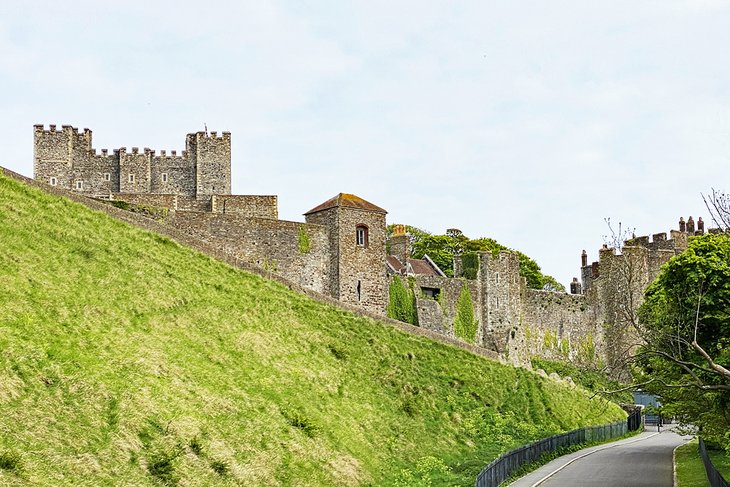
point(128, 359)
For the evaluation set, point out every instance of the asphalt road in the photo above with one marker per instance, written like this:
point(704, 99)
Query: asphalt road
point(642, 461)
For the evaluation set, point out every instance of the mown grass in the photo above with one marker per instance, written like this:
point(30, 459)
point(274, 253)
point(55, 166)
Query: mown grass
point(689, 467)
point(126, 358)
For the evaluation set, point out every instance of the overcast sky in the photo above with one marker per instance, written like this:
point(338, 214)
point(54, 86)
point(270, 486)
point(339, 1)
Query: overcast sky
point(527, 122)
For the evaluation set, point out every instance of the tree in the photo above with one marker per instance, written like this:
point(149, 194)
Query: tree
point(718, 204)
point(685, 325)
point(442, 249)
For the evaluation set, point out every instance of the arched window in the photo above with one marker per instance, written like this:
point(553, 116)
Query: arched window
point(361, 235)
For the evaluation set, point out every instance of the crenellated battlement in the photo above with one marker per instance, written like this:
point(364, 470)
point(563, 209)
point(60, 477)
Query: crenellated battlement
point(67, 159)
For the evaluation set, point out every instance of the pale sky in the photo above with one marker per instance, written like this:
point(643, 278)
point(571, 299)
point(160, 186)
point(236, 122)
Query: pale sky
point(527, 122)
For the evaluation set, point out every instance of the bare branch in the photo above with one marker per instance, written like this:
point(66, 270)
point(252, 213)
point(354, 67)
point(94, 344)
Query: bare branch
point(718, 205)
point(714, 366)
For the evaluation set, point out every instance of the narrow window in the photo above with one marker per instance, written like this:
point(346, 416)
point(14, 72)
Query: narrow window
point(79, 185)
point(496, 302)
point(359, 291)
point(131, 178)
point(107, 176)
point(496, 277)
point(361, 235)
point(54, 181)
point(164, 177)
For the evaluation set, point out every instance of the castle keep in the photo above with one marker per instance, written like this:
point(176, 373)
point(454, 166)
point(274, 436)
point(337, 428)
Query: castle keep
point(340, 250)
point(66, 158)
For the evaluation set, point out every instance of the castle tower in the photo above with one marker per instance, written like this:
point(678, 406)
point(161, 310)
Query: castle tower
point(357, 250)
point(211, 156)
point(54, 153)
point(501, 299)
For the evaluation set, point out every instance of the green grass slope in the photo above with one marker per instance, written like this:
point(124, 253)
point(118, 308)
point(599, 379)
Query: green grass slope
point(126, 359)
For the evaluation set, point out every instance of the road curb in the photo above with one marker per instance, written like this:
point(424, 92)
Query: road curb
point(674, 461)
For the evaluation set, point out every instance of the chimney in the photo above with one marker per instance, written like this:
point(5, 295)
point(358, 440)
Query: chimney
point(400, 244)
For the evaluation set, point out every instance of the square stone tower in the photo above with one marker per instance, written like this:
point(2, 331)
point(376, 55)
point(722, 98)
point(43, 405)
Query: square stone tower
point(357, 250)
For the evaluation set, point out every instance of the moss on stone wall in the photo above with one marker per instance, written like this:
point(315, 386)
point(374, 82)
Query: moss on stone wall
point(304, 243)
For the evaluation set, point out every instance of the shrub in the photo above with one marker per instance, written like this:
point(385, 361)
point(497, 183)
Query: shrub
point(10, 461)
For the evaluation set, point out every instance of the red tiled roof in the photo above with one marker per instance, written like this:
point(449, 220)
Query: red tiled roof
point(417, 267)
point(394, 263)
point(348, 200)
point(421, 267)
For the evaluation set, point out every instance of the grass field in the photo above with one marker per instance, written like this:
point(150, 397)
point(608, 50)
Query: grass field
point(691, 470)
point(128, 359)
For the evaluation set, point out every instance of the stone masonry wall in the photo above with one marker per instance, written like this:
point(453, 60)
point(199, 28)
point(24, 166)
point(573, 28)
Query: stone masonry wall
point(246, 205)
point(501, 288)
point(329, 219)
point(558, 326)
point(439, 315)
point(362, 275)
point(168, 201)
point(274, 245)
point(213, 162)
point(67, 158)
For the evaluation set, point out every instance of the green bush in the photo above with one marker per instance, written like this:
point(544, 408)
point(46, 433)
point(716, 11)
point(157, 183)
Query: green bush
point(10, 461)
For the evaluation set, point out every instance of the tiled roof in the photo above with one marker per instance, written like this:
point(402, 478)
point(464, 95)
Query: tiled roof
point(348, 200)
point(417, 267)
point(421, 267)
point(394, 264)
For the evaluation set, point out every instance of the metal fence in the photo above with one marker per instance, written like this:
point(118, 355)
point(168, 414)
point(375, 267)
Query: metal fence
point(716, 479)
point(501, 468)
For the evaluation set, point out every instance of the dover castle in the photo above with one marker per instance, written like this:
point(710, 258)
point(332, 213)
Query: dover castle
point(340, 250)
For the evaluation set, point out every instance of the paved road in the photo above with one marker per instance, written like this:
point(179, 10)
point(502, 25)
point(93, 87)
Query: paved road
point(641, 461)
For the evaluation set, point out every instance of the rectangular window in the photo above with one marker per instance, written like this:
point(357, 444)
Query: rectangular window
point(79, 185)
point(164, 177)
point(361, 236)
point(107, 176)
point(53, 181)
point(131, 178)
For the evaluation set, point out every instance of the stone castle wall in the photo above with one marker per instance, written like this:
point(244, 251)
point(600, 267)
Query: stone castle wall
point(325, 256)
point(67, 159)
point(274, 245)
point(246, 205)
point(439, 314)
point(558, 326)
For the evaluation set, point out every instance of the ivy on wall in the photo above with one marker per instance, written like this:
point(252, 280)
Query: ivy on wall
point(465, 325)
point(303, 241)
point(469, 265)
point(402, 302)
